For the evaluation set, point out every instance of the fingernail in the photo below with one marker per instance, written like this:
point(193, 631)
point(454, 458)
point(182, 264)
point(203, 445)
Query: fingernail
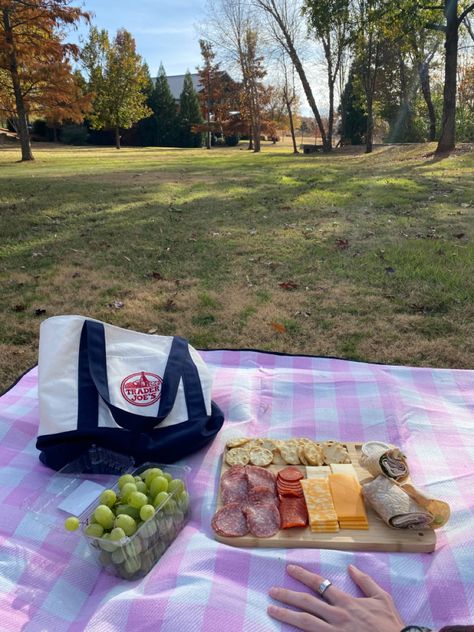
point(353, 568)
point(291, 567)
point(273, 609)
point(273, 591)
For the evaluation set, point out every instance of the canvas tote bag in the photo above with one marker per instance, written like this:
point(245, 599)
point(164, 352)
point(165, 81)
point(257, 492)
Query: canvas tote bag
point(142, 395)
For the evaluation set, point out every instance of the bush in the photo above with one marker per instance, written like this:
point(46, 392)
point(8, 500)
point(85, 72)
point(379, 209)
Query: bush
point(74, 134)
point(232, 141)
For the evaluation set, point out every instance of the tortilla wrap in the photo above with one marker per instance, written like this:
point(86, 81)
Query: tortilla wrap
point(382, 458)
point(395, 506)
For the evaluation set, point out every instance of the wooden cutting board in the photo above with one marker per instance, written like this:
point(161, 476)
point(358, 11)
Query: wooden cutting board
point(379, 537)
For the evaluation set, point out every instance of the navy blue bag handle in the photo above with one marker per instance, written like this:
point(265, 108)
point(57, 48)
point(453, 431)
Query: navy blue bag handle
point(93, 382)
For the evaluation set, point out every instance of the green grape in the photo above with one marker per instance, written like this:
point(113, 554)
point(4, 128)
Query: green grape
point(183, 501)
point(124, 479)
point(108, 497)
point(170, 507)
point(176, 485)
point(127, 523)
point(71, 523)
point(104, 516)
point(94, 530)
point(168, 476)
point(151, 474)
point(126, 490)
point(141, 487)
point(147, 512)
point(118, 556)
point(128, 510)
point(105, 543)
point(137, 499)
point(132, 565)
point(160, 499)
point(157, 485)
point(117, 534)
point(138, 479)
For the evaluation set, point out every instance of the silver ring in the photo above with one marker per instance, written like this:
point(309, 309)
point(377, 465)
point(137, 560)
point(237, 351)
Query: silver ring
point(323, 586)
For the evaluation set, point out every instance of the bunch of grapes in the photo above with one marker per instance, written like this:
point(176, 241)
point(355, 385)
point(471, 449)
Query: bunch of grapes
point(153, 503)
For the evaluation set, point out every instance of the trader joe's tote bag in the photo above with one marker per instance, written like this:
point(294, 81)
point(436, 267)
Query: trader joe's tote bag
point(145, 396)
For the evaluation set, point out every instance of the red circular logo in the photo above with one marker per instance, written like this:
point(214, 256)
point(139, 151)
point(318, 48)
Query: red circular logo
point(142, 388)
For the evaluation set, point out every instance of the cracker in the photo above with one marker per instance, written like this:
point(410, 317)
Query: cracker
point(269, 444)
point(254, 443)
point(261, 456)
point(313, 453)
point(277, 458)
point(289, 452)
point(335, 452)
point(237, 456)
point(301, 455)
point(236, 442)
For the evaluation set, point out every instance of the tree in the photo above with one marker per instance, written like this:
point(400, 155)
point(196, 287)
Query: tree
point(189, 115)
point(209, 75)
point(330, 22)
point(164, 107)
point(34, 61)
point(117, 77)
point(146, 127)
point(455, 13)
point(353, 118)
point(367, 43)
point(285, 24)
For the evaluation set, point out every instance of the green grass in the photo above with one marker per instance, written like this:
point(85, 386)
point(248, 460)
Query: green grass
point(197, 243)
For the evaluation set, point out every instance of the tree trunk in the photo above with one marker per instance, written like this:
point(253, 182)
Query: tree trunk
point(369, 137)
point(330, 114)
point(292, 125)
point(117, 138)
point(424, 74)
point(447, 139)
point(208, 135)
point(291, 50)
point(23, 131)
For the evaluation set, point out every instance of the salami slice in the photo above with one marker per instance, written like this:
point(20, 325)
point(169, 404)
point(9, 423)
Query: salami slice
point(262, 494)
point(234, 490)
point(263, 519)
point(260, 477)
point(236, 471)
point(290, 474)
point(293, 513)
point(230, 521)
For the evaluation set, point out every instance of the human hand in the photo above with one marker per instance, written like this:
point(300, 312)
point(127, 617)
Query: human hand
point(337, 611)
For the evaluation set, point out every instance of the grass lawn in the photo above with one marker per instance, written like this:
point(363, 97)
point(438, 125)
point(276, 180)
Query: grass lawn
point(367, 257)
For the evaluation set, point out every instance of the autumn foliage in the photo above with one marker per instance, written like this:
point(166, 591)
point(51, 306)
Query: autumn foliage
point(35, 64)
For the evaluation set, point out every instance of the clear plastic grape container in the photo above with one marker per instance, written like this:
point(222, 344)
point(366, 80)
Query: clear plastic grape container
point(131, 527)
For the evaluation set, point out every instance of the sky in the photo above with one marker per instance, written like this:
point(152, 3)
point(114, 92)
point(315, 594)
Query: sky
point(168, 31)
point(164, 30)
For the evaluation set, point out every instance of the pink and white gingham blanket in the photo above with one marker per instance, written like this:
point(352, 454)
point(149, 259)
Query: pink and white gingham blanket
point(49, 581)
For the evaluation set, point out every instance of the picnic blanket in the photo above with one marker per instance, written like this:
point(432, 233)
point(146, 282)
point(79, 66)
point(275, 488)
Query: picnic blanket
point(50, 581)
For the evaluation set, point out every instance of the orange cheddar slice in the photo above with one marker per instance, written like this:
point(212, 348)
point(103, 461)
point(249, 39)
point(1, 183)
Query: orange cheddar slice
point(321, 513)
point(348, 502)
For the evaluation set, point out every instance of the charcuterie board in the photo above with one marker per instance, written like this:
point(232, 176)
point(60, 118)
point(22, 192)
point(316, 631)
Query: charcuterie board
point(379, 537)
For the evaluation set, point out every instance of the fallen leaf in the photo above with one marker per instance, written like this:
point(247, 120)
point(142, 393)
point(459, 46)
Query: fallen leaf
point(460, 235)
point(76, 275)
point(465, 204)
point(390, 270)
point(40, 311)
point(19, 308)
point(154, 275)
point(342, 244)
point(288, 285)
point(281, 329)
point(152, 331)
point(116, 305)
point(127, 258)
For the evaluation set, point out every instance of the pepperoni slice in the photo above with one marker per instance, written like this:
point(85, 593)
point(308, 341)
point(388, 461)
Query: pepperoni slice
point(293, 513)
point(230, 521)
point(290, 474)
point(263, 519)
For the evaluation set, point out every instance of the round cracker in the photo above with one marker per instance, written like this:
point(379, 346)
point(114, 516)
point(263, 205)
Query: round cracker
point(301, 455)
point(269, 444)
point(314, 454)
point(254, 443)
point(277, 458)
point(236, 442)
point(261, 456)
point(237, 456)
point(289, 452)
